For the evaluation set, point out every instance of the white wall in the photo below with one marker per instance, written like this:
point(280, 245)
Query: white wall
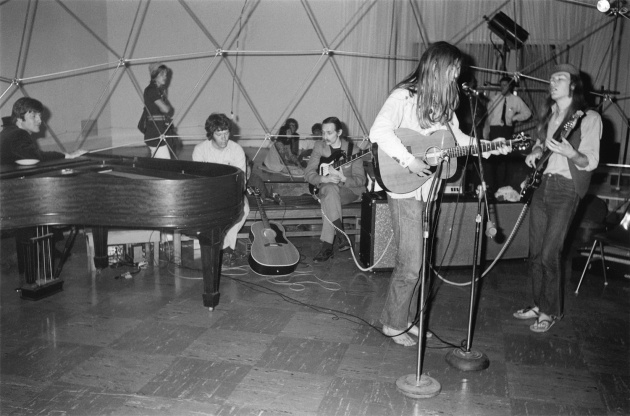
point(57, 43)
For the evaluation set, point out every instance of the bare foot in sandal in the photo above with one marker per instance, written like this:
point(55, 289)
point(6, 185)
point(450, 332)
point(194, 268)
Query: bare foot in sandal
point(543, 323)
point(403, 339)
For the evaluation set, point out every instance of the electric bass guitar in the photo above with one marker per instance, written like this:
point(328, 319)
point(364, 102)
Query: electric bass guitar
point(332, 162)
point(432, 149)
point(271, 253)
point(533, 180)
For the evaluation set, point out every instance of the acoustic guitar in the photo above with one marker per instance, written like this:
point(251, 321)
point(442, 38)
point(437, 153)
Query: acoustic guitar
point(431, 149)
point(533, 180)
point(335, 162)
point(271, 253)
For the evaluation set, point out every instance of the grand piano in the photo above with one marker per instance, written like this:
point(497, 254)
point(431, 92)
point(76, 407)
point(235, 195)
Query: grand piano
point(198, 199)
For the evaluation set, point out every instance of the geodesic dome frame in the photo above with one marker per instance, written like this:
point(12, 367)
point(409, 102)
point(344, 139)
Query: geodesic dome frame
point(343, 57)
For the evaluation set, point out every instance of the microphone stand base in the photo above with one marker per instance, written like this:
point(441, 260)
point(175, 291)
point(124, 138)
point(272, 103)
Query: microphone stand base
point(426, 388)
point(467, 360)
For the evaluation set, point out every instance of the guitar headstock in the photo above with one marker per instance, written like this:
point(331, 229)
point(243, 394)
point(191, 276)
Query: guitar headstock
point(522, 142)
point(570, 125)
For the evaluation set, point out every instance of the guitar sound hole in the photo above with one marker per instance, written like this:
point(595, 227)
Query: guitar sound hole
point(432, 156)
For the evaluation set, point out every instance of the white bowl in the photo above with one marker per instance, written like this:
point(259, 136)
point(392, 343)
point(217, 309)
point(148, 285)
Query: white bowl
point(26, 162)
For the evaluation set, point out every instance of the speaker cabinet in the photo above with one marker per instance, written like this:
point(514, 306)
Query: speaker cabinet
point(376, 232)
point(454, 237)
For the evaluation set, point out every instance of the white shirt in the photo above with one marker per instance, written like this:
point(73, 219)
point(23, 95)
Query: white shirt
point(400, 111)
point(591, 133)
point(232, 154)
point(515, 110)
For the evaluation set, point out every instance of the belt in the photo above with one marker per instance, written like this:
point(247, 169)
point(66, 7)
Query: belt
point(157, 118)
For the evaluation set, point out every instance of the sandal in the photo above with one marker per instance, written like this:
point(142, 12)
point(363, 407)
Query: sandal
point(542, 325)
point(527, 313)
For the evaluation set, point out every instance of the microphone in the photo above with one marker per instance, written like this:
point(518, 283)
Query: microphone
point(491, 230)
point(468, 89)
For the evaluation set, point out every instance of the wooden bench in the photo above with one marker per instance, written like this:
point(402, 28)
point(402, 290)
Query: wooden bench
point(304, 211)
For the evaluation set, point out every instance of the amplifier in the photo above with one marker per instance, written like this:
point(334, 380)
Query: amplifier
point(454, 236)
point(376, 232)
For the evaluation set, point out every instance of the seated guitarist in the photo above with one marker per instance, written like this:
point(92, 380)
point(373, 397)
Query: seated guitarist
point(337, 187)
point(425, 101)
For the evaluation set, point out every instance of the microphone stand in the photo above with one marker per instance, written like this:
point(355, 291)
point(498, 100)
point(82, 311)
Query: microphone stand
point(467, 359)
point(421, 386)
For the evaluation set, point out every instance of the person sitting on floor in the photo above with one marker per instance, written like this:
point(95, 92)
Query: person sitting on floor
point(307, 145)
point(292, 138)
point(338, 187)
point(220, 149)
point(280, 159)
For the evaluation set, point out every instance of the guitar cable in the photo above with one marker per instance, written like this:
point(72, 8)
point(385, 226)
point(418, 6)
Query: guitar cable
point(354, 257)
point(505, 246)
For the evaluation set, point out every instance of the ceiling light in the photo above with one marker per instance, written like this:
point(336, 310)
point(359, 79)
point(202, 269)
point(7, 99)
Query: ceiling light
point(603, 6)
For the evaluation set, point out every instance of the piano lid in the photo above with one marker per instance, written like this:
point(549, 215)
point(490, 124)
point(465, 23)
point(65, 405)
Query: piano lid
point(120, 191)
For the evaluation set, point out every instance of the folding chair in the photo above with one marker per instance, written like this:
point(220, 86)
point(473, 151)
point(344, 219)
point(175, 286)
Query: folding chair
point(617, 237)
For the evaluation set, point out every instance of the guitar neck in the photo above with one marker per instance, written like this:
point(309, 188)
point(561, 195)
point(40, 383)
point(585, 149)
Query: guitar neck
point(564, 133)
point(263, 214)
point(351, 159)
point(459, 151)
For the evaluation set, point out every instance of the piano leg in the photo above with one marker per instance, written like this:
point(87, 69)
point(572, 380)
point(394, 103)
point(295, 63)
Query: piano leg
point(101, 261)
point(210, 243)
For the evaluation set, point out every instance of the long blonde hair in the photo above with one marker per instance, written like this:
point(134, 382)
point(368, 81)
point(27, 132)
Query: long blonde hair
point(437, 92)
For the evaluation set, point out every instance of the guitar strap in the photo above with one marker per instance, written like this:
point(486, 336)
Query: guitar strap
point(450, 129)
point(340, 151)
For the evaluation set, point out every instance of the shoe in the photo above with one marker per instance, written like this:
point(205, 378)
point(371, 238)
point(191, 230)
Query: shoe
point(542, 324)
point(527, 313)
point(323, 255)
point(344, 245)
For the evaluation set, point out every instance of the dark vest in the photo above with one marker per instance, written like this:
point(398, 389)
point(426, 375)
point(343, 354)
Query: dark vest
point(581, 178)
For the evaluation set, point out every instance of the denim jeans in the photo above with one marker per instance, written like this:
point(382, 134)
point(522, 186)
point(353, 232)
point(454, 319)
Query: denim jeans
point(552, 209)
point(401, 303)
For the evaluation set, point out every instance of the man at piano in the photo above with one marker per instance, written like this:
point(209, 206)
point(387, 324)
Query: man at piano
point(17, 141)
point(218, 148)
point(336, 187)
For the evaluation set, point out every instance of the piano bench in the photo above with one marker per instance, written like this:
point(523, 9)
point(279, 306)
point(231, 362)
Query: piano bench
point(298, 210)
point(123, 237)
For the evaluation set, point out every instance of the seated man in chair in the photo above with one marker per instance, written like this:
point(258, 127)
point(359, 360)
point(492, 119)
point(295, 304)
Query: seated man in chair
point(335, 187)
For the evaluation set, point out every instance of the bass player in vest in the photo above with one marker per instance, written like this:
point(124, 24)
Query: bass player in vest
point(568, 140)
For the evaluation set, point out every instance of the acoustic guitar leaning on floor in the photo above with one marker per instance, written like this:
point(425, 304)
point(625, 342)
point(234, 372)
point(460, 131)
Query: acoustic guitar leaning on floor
point(272, 254)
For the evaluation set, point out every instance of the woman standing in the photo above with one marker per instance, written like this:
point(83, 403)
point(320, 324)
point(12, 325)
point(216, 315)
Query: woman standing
point(158, 112)
point(425, 101)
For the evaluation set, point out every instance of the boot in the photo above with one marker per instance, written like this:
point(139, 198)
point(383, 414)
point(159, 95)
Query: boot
point(342, 241)
point(325, 253)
